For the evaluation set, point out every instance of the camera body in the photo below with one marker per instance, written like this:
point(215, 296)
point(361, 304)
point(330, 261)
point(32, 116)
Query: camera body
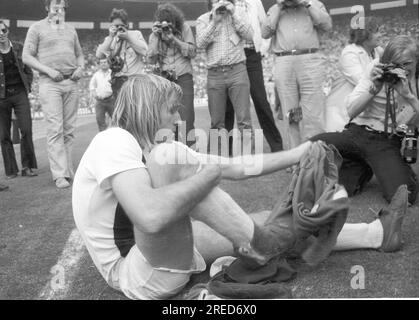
point(121, 29)
point(295, 115)
point(169, 75)
point(221, 10)
point(164, 26)
point(410, 134)
point(116, 63)
point(388, 76)
point(290, 3)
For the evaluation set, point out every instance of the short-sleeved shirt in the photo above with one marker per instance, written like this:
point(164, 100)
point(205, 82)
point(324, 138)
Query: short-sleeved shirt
point(103, 224)
point(55, 48)
point(134, 63)
point(172, 57)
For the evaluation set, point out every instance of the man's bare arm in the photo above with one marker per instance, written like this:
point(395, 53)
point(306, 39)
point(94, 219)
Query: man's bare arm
point(151, 210)
point(251, 166)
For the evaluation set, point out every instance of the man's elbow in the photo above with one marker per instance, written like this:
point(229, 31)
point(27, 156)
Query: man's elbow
point(26, 59)
point(327, 25)
point(99, 54)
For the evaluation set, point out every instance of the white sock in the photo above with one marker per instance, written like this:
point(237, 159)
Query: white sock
point(360, 236)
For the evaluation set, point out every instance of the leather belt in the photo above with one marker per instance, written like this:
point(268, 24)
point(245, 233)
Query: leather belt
point(226, 67)
point(296, 52)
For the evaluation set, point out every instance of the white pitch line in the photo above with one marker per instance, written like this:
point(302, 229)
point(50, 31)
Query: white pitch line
point(62, 274)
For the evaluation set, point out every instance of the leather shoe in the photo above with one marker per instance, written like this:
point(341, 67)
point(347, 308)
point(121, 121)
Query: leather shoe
point(392, 218)
point(12, 176)
point(3, 187)
point(267, 244)
point(27, 172)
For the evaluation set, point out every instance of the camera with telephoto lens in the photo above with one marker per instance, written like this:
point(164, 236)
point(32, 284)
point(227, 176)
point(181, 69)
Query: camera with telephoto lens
point(221, 10)
point(166, 26)
point(410, 134)
point(295, 115)
point(169, 75)
point(116, 63)
point(388, 76)
point(121, 29)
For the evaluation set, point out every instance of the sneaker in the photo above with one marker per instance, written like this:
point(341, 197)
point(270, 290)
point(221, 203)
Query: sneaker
point(392, 218)
point(12, 176)
point(62, 183)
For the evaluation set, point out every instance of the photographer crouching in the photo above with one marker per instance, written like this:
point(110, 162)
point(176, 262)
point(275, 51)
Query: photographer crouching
point(381, 108)
point(171, 48)
point(123, 48)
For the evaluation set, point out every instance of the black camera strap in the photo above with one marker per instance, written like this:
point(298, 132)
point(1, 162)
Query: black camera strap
point(390, 110)
point(118, 53)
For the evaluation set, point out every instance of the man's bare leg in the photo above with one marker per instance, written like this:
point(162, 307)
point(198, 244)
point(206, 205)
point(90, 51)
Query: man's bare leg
point(173, 247)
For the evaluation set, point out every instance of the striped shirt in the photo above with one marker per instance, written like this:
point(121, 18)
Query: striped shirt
point(57, 49)
point(223, 42)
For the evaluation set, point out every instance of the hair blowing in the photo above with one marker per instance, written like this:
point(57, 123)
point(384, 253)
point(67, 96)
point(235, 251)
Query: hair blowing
point(139, 104)
point(119, 14)
point(397, 47)
point(170, 13)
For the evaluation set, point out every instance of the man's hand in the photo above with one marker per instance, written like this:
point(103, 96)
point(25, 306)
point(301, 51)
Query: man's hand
point(218, 17)
point(123, 35)
point(156, 29)
point(55, 75)
point(302, 3)
point(77, 74)
point(230, 7)
point(167, 36)
point(376, 76)
point(402, 86)
point(112, 31)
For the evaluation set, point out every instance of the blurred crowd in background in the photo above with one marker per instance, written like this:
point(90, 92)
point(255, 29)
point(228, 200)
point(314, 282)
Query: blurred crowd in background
point(406, 22)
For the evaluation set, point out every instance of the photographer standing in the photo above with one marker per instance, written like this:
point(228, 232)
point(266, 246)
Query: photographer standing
point(171, 47)
point(255, 13)
point(371, 143)
point(124, 49)
point(52, 47)
point(222, 32)
point(294, 26)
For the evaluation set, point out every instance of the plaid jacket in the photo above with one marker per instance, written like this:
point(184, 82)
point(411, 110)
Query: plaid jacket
point(25, 72)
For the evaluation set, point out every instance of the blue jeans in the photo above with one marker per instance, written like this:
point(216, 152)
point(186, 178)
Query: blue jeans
point(60, 101)
point(101, 108)
point(366, 153)
point(232, 82)
point(20, 104)
point(260, 101)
